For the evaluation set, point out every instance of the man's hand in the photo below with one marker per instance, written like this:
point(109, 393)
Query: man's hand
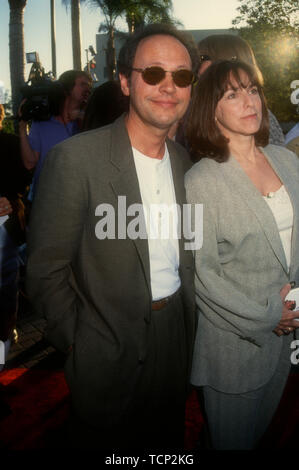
point(29, 156)
point(22, 124)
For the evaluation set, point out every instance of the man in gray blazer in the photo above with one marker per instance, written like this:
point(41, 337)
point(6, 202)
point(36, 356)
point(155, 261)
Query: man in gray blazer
point(117, 300)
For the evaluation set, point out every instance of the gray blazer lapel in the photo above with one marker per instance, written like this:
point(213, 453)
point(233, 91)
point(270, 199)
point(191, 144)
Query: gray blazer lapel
point(236, 177)
point(125, 183)
point(291, 184)
point(177, 173)
point(179, 187)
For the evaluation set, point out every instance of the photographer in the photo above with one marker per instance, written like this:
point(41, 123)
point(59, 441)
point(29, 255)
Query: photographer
point(66, 113)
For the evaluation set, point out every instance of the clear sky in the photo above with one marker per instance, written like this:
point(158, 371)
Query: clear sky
point(194, 14)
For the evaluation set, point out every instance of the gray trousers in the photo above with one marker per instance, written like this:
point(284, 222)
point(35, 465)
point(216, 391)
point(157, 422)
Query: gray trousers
point(155, 418)
point(238, 421)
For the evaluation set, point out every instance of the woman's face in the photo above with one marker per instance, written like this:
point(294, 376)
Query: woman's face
point(239, 111)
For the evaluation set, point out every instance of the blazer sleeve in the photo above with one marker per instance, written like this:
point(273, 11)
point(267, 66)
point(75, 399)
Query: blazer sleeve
point(217, 299)
point(56, 222)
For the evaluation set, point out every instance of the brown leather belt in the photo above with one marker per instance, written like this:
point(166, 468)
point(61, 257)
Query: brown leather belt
point(159, 304)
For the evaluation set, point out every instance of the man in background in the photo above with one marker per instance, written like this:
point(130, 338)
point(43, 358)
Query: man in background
point(66, 109)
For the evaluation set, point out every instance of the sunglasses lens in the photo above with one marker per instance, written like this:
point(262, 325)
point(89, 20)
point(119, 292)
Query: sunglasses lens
point(183, 78)
point(153, 75)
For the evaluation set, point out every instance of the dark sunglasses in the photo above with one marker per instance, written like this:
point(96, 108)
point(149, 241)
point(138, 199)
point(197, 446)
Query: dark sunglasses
point(154, 75)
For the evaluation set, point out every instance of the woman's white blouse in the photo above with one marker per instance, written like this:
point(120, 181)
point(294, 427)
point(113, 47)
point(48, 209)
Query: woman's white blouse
point(282, 209)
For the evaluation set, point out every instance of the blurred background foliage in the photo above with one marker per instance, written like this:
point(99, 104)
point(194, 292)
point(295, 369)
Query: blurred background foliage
point(272, 29)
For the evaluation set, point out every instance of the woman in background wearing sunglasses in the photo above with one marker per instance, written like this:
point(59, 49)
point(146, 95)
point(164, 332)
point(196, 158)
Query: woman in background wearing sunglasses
point(233, 47)
point(250, 254)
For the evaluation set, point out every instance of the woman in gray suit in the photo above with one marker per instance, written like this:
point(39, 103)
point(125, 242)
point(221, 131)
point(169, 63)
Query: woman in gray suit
point(250, 255)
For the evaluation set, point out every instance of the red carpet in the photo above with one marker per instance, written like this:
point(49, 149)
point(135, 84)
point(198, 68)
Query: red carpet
point(283, 432)
point(39, 401)
point(40, 406)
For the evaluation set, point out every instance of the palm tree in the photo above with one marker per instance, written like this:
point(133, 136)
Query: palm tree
point(16, 50)
point(76, 31)
point(136, 12)
point(111, 10)
point(140, 12)
point(53, 36)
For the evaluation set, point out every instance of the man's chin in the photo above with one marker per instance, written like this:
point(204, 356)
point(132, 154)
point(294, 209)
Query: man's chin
point(166, 124)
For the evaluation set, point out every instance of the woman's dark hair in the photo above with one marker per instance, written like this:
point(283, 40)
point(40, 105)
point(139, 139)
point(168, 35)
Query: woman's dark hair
point(203, 134)
point(128, 51)
point(106, 104)
point(228, 47)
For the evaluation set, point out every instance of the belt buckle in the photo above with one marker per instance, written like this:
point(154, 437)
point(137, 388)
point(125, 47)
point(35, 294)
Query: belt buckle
point(159, 304)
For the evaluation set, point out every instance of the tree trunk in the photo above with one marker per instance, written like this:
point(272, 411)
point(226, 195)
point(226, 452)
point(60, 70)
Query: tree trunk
point(130, 19)
point(76, 34)
point(16, 51)
point(53, 38)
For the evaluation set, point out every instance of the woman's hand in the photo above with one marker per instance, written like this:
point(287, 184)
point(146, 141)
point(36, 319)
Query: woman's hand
point(288, 322)
point(5, 206)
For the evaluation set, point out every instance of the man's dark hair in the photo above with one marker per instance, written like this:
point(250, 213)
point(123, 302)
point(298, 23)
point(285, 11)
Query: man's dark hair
point(204, 136)
point(128, 50)
point(68, 79)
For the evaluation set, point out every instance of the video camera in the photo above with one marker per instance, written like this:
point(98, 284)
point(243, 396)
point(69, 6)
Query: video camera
point(42, 94)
